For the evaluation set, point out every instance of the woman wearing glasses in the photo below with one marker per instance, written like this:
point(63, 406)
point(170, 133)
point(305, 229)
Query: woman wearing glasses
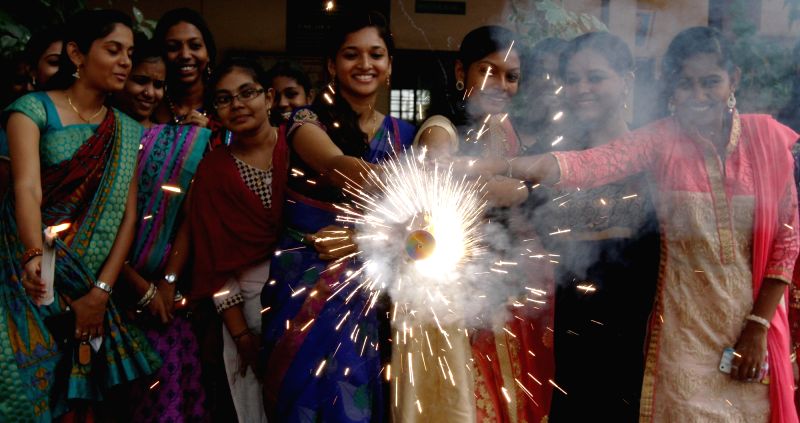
point(235, 209)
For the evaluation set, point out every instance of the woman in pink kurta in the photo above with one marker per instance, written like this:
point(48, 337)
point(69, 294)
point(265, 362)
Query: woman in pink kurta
point(728, 214)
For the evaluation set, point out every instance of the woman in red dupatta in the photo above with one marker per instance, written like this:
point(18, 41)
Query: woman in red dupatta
point(235, 213)
point(727, 207)
point(73, 160)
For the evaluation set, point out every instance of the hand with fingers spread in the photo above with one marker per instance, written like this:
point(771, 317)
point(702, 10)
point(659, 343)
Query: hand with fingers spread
point(90, 312)
point(32, 278)
point(751, 352)
point(333, 242)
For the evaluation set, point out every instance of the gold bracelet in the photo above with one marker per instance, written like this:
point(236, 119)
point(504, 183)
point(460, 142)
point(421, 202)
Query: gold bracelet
point(29, 254)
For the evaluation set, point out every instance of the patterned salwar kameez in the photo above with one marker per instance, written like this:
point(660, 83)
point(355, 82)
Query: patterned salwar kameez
point(727, 223)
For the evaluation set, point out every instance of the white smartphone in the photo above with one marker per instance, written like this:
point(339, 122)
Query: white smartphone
point(726, 366)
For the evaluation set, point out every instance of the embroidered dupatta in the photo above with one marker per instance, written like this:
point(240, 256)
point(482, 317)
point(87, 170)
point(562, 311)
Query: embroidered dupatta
point(772, 158)
point(89, 190)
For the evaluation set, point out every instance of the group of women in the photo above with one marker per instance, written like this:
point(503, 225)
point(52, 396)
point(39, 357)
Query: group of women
point(196, 279)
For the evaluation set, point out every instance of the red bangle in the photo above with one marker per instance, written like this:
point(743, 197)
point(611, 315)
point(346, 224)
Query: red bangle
point(29, 254)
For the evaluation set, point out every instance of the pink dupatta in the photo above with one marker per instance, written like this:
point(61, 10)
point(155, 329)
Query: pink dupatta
point(770, 149)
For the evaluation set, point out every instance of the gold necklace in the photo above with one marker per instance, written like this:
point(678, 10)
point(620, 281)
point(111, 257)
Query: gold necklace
point(374, 126)
point(75, 109)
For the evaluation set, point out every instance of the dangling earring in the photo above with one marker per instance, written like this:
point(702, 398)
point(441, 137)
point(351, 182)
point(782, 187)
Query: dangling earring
point(671, 108)
point(77, 74)
point(625, 105)
point(460, 85)
point(208, 71)
point(389, 81)
point(731, 102)
point(332, 84)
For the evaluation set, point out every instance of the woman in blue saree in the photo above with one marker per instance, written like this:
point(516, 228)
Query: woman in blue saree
point(319, 369)
point(73, 160)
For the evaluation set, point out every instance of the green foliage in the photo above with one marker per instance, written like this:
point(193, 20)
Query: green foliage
point(140, 24)
point(18, 20)
point(539, 19)
point(766, 64)
point(13, 36)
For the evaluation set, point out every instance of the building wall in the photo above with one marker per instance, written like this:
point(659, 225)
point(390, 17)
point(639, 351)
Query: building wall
point(775, 20)
point(254, 25)
point(421, 31)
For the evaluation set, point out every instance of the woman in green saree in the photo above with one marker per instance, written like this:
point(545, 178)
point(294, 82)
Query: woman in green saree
point(73, 160)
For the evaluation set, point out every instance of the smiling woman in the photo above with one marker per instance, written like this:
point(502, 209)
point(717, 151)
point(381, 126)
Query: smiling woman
point(189, 53)
point(613, 240)
point(330, 143)
point(168, 156)
point(727, 210)
point(475, 128)
point(74, 161)
point(235, 212)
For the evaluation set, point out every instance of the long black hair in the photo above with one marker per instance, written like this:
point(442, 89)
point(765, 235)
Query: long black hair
point(347, 135)
point(83, 29)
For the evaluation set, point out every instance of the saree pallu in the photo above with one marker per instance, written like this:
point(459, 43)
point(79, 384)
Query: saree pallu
point(327, 365)
point(169, 156)
point(88, 190)
point(512, 364)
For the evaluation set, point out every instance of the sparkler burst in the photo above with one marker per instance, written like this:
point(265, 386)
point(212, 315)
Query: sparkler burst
point(423, 239)
point(418, 230)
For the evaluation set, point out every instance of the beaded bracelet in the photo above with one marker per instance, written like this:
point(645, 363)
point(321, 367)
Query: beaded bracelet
point(29, 254)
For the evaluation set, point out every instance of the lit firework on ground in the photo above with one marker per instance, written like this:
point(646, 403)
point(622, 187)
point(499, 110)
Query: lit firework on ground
point(423, 240)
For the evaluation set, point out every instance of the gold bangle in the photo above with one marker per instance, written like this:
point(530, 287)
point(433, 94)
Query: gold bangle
point(29, 254)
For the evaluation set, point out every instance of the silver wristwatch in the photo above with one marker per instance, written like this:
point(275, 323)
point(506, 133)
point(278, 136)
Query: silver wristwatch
point(104, 286)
